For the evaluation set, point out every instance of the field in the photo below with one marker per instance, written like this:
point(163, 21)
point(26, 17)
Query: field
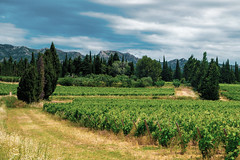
point(231, 91)
point(149, 128)
point(211, 124)
point(100, 91)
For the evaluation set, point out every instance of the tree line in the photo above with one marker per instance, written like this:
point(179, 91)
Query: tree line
point(146, 67)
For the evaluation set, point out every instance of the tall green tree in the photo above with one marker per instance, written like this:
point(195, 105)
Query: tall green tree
point(177, 73)
point(146, 67)
point(27, 89)
point(237, 76)
point(41, 76)
point(116, 57)
point(210, 85)
point(166, 71)
point(52, 70)
point(65, 66)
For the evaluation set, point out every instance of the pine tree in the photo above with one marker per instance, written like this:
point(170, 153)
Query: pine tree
point(237, 72)
point(177, 73)
point(33, 61)
point(77, 62)
point(97, 65)
point(65, 66)
point(210, 85)
point(115, 57)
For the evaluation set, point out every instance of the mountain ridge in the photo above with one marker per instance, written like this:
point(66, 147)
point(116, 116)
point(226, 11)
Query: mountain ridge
point(17, 52)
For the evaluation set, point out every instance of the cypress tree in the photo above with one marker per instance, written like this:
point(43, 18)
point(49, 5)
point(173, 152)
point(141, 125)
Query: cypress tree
point(203, 71)
point(41, 76)
point(77, 62)
point(65, 66)
point(236, 72)
point(33, 61)
point(177, 73)
point(210, 85)
point(50, 75)
point(27, 89)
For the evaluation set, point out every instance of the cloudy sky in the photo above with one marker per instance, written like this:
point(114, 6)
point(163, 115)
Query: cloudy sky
point(155, 28)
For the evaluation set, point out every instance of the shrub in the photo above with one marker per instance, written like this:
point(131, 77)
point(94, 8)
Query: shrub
point(67, 81)
point(160, 83)
point(176, 83)
point(145, 82)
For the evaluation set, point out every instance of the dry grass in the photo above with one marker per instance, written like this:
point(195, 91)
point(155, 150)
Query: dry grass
point(185, 92)
point(14, 146)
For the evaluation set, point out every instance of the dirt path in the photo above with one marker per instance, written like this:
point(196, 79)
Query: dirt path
point(66, 141)
point(185, 92)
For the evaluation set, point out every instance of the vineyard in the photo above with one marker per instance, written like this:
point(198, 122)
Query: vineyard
point(111, 91)
point(212, 125)
point(5, 89)
point(100, 91)
point(231, 91)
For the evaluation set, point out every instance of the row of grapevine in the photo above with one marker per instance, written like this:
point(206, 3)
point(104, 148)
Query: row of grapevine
point(5, 89)
point(111, 91)
point(99, 91)
point(231, 91)
point(211, 125)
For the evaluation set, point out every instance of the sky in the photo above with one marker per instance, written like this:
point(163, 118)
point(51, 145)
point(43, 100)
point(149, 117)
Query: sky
point(156, 28)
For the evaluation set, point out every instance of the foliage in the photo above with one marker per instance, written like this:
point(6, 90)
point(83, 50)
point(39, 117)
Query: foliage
point(108, 91)
point(160, 83)
point(9, 79)
point(177, 73)
point(231, 91)
point(118, 115)
point(10, 101)
point(176, 83)
point(146, 67)
point(67, 81)
point(210, 83)
point(166, 71)
point(5, 89)
point(28, 88)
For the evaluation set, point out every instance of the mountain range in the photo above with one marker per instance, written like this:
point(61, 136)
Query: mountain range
point(18, 52)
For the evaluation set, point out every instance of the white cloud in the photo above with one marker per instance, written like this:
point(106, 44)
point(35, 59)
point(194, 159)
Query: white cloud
point(124, 2)
point(181, 27)
point(79, 42)
point(10, 34)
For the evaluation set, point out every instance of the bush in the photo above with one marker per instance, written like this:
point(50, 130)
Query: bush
point(160, 83)
point(145, 82)
point(13, 102)
point(9, 79)
point(176, 83)
point(67, 81)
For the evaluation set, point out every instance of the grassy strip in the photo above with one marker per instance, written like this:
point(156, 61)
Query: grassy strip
point(14, 146)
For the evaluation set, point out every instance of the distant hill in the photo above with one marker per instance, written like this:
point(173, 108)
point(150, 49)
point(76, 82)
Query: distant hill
point(173, 63)
point(18, 52)
point(127, 56)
